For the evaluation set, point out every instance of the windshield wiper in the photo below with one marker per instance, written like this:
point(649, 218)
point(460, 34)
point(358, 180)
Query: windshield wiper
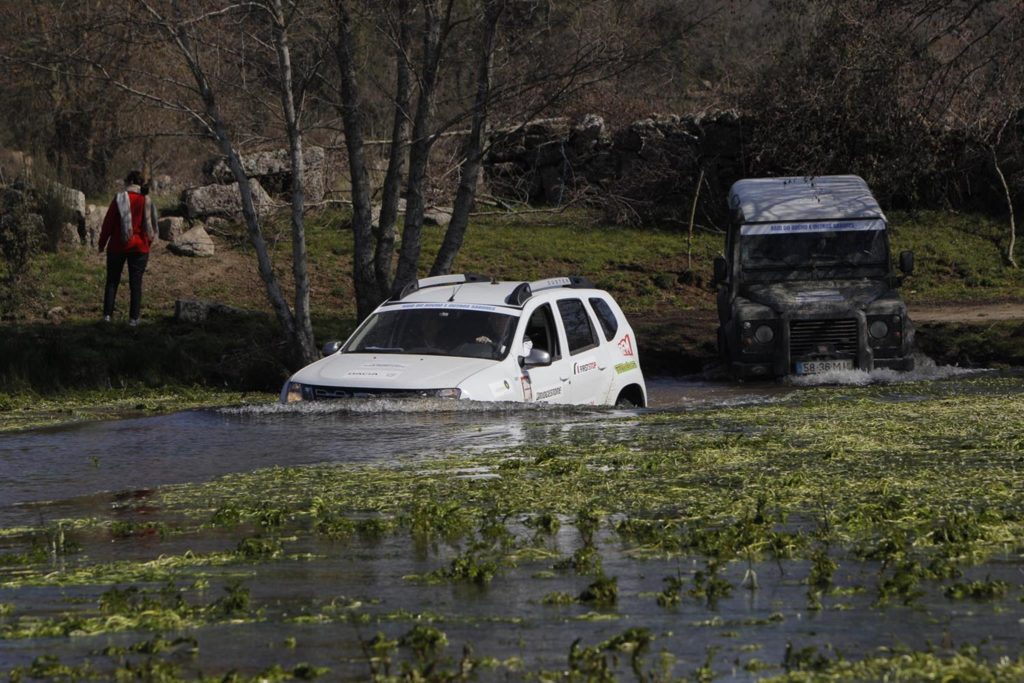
point(383, 349)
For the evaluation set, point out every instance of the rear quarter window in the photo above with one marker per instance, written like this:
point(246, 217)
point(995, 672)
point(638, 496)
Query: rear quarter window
point(579, 330)
point(605, 316)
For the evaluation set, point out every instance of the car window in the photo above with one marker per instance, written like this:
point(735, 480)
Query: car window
point(605, 316)
point(436, 331)
point(540, 329)
point(579, 330)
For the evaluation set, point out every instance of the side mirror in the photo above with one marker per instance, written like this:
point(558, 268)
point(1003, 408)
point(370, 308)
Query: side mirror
point(907, 262)
point(721, 273)
point(535, 358)
point(331, 348)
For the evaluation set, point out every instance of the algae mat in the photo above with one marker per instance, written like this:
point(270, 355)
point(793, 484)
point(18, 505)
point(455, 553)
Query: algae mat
point(835, 534)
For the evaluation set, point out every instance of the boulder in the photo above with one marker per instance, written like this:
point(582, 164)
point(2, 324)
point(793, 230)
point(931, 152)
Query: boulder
point(223, 200)
point(436, 215)
point(69, 236)
point(56, 315)
point(171, 228)
point(274, 171)
point(588, 134)
point(197, 310)
point(94, 216)
point(74, 200)
point(195, 242)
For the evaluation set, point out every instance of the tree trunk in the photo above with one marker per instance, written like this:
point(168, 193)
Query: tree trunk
point(303, 343)
point(396, 160)
point(473, 150)
point(182, 42)
point(1009, 205)
point(419, 152)
point(368, 295)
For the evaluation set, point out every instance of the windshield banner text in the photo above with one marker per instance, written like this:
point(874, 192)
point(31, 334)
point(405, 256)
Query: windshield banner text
point(824, 226)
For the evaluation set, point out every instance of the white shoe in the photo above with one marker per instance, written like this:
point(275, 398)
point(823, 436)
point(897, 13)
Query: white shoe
point(134, 322)
point(106, 318)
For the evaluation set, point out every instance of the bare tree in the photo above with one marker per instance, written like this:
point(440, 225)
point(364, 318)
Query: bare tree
point(473, 150)
point(181, 29)
point(444, 81)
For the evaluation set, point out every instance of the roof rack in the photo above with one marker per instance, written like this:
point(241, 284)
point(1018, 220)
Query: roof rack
point(439, 280)
point(522, 293)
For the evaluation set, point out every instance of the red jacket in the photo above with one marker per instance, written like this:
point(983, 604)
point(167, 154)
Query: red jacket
point(111, 230)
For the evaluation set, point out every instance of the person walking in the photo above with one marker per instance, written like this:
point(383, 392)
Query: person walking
point(129, 227)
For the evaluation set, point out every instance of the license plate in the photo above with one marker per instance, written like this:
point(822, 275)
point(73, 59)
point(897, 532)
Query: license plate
point(814, 367)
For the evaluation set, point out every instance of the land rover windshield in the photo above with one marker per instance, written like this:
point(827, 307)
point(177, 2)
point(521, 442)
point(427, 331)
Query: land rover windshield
point(436, 330)
point(814, 250)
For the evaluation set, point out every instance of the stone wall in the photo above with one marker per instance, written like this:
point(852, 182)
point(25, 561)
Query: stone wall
point(648, 171)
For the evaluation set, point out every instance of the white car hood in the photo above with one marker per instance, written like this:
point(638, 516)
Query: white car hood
point(390, 371)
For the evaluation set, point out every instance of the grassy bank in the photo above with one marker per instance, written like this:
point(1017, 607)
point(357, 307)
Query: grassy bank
point(51, 342)
point(686, 547)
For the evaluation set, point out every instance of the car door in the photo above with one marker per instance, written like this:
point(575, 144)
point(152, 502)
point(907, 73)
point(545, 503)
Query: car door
point(591, 372)
point(544, 383)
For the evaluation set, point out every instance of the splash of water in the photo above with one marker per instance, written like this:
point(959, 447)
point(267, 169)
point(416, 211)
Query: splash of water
point(374, 406)
point(924, 369)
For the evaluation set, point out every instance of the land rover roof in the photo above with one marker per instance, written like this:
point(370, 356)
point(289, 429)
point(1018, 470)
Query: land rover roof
point(806, 198)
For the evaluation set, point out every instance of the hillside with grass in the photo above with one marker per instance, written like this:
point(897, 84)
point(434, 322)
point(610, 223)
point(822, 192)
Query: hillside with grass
point(53, 339)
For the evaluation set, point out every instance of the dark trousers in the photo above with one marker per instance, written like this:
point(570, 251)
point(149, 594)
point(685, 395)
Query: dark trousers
point(136, 267)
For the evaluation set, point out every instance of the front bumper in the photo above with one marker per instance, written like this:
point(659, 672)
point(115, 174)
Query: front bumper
point(841, 338)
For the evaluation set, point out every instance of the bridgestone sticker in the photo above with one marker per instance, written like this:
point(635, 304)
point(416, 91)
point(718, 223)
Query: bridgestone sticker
point(826, 226)
point(549, 393)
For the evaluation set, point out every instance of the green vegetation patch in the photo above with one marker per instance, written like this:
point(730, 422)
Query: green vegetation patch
point(908, 496)
point(26, 410)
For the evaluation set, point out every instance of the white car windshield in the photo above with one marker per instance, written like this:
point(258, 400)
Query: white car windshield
point(440, 331)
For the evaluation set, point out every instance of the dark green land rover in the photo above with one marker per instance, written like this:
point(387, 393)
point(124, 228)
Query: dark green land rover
point(806, 285)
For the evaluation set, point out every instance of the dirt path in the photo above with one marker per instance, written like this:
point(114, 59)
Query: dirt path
point(966, 313)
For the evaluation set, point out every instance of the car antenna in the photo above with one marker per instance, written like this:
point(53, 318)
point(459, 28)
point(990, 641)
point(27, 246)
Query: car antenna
point(454, 292)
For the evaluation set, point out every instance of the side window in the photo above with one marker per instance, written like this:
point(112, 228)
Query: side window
point(579, 331)
point(542, 332)
point(605, 316)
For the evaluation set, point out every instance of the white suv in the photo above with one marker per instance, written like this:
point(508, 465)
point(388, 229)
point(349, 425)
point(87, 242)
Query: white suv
point(466, 336)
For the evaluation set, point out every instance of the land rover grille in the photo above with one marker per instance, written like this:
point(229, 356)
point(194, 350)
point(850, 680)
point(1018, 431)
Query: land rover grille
point(823, 337)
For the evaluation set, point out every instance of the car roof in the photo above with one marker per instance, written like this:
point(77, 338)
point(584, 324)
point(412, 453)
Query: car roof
point(802, 198)
point(474, 289)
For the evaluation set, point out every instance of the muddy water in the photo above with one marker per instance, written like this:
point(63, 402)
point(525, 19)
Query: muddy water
point(87, 470)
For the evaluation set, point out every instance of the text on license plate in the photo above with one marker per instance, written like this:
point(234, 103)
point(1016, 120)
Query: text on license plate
point(813, 367)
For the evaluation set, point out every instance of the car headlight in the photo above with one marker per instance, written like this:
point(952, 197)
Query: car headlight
point(449, 393)
point(878, 329)
point(296, 391)
point(764, 334)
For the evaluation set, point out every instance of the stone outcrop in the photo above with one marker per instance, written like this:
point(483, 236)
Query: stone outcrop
point(94, 216)
point(274, 172)
point(195, 242)
point(74, 200)
point(223, 200)
point(171, 228)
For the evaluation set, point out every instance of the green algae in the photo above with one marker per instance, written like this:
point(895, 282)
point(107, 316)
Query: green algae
point(911, 493)
point(28, 410)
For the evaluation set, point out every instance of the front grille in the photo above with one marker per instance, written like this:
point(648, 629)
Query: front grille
point(324, 393)
point(822, 337)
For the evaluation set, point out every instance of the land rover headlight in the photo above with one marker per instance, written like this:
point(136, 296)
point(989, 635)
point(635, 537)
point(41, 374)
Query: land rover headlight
point(878, 329)
point(296, 391)
point(449, 393)
point(764, 334)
